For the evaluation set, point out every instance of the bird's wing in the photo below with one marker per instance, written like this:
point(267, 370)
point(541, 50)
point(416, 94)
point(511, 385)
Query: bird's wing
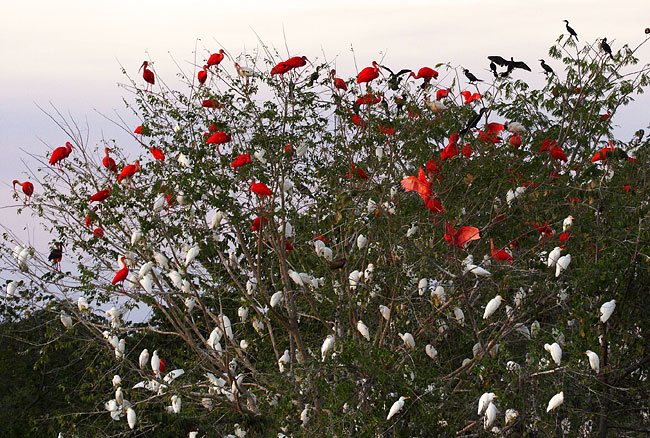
point(466, 234)
point(498, 60)
point(520, 64)
point(387, 69)
point(403, 72)
point(412, 183)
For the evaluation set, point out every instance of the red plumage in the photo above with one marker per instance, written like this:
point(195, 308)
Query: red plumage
point(128, 171)
point(368, 74)
point(60, 153)
point(261, 189)
point(101, 195)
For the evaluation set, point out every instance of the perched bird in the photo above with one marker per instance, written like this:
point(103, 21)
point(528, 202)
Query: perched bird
point(606, 310)
point(155, 364)
point(555, 401)
point(492, 306)
point(546, 67)
point(56, 255)
point(570, 30)
point(425, 73)
point(27, 187)
point(244, 72)
point(556, 352)
point(147, 74)
point(338, 264)
point(66, 320)
point(594, 360)
point(431, 351)
point(397, 406)
point(511, 415)
point(60, 153)
point(561, 264)
point(606, 48)
point(128, 171)
point(485, 400)
point(157, 153)
point(101, 195)
point(260, 189)
point(553, 256)
point(490, 416)
point(202, 75)
point(82, 304)
point(121, 275)
point(130, 417)
point(143, 359)
point(385, 312)
point(368, 74)
point(408, 339)
point(363, 329)
point(472, 122)
point(216, 58)
point(108, 162)
point(339, 83)
point(191, 255)
point(470, 76)
point(395, 78)
point(422, 186)
point(567, 223)
point(328, 344)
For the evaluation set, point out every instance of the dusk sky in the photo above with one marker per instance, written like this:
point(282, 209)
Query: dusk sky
point(69, 53)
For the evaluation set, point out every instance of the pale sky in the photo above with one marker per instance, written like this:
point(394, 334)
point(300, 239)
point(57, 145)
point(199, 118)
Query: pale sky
point(67, 52)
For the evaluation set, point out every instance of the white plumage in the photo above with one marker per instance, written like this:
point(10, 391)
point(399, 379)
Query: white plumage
point(191, 255)
point(135, 237)
point(423, 284)
point(492, 306)
point(328, 344)
point(556, 352)
point(143, 359)
point(276, 298)
point(155, 363)
point(363, 329)
point(490, 416)
point(484, 401)
point(594, 360)
point(567, 223)
point(130, 417)
point(555, 401)
point(397, 406)
point(431, 351)
point(82, 304)
point(362, 241)
point(553, 256)
point(408, 339)
point(385, 312)
point(511, 415)
point(606, 310)
point(66, 320)
point(562, 263)
point(296, 277)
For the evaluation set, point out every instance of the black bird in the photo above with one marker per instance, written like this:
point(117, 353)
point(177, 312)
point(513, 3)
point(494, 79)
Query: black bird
point(56, 254)
point(472, 122)
point(501, 62)
point(546, 67)
point(470, 76)
point(606, 48)
point(395, 78)
point(570, 30)
point(510, 64)
point(493, 69)
point(314, 77)
point(647, 30)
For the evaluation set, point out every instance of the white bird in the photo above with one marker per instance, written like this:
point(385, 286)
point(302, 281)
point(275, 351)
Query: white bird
point(367, 273)
point(22, 258)
point(490, 416)
point(242, 312)
point(379, 152)
point(460, 316)
point(562, 263)
point(130, 417)
point(354, 278)
point(594, 360)
point(82, 304)
point(411, 231)
point(492, 306)
point(243, 344)
point(216, 220)
point(567, 223)
point(191, 255)
point(159, 203)
point(385, 312)
point(362, 241)
point(117, 380)
point(477, 270)
point(534, 329)
point(606, 310)
point(284, 359)
point(327, 254)
point(259, 156)
point(155, 363)
point(276, 298)
point(397, 406)
point(162, 260)
point(66, 320)
point(431, 351)
point(147, 283)
point(408, 339)
point(143, 359)
point(288, 231)
point(176, 278)
point(135, 237)
point(184, 161)
point(436, 106)
point(244, 72)
point(11, 288)
point(145, 269)
point(515, 127)
point(119, 397)
point(287, 185)
point(296, 277)
point(511, 415)
point(439, 295)
point(553, 256)
point(556, 352)
point(176, 404)
point(120, 349)
point(555, 401)
point(304, 415)
point(328, 344)
point(363, 329)
point(227, 326)
point(485, 400)
point(423, 284)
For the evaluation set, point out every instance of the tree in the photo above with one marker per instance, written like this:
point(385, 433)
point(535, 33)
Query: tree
point(302, 288)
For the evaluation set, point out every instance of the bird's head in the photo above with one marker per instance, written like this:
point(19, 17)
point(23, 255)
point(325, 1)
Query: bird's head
point(15, 182)
point(566, 21)
point(499, 297)
point(107, 150)
point(68, 145)
point(145, 64)
point(137, 165)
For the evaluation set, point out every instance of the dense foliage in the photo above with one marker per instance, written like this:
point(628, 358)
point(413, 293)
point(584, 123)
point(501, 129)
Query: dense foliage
point(265, 319)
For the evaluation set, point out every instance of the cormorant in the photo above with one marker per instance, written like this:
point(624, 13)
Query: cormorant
point(470, 76)
point(570, 30)
point(472, 122)
point(546, 67)
point(493, 69)
point(606, 48)
point(395, 79)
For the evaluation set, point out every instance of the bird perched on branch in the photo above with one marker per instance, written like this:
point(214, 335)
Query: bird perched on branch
point(509, 64)
point(56, 255)
point(147, 74)
point(395, 78)
point(547, 69)
point(472, 122)
point(60, 153)
point(368, 74)
point(569, 29)
point(470, 76)
point(606, 48)
point(28, 189)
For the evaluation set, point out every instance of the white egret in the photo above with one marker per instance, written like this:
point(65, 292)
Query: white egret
point(159, 203)
point(119, 397)
point(490, 416)
point(385, 312)
point(242, 312)
point(259, 155)
point(594, 360)
point(184, 161)
point(367, 273)
point(66, 320)
point(562, 263)
point(296, 277)
point(397, 406)
point(423, 284)
point(145, 269)
point(328, 344)
point(555, 401)
point(227, 326)
point(362, 241)
point(606, 310)
point(567, 223)
point(176, 404)
point(117, 380)
point(460, 316)
point(82, 304)
point(556, 352)
point(485, 400)
point(411, 231)
point(354, 278)
point(155, 363)
point(135, 237)
point(511, 415)
point(477, 270)
point(176, 278)
point(243, 344)
point(363, 329)
point(284, 360)
point(492, 306)
point(11, 288)
point(304, 415)
point(276, 298)
point(553, 256)
point(431, 351)
point(191, 255)
point(162, 260)
point(147, 283)
point(408, 339)
point(216, 220)
point(143, 359)
point(130, 417)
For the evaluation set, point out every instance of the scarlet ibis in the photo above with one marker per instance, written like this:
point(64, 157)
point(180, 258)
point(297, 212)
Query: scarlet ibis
point(122, 273)
point(606, 48)
point(603, 153)
point(260, 189)
point(216, 58)
point(420, 185)
point(500, 254)
point(547, 69)
point(203, 75)
point(128, 171)
point(101, 195)
point(368, 74)
point(147, 74)
point(451, 150)
point(28, 188)
point(218, 138)
point(462, 237)
point(157, 153)
point(91, 216)
point(472, 122)
point(469, 97)
point(470, 76)
point(108, 162)
point(569, 29)
point(56, 255)
point(138, 130)
point(339, 83)
point(558, 154)
point(60, 153)
point(425, 73)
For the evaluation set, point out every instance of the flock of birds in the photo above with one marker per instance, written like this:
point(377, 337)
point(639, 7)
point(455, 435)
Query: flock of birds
point(120, 406)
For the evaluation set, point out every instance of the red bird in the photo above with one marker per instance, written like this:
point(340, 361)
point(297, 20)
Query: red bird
point(28, 188)
point(218, 138)
point(216, 58)
point(98, 232)
point(339, 83)
point(368, 74)
point(500, 254)
point(515, 140)
point(451, 150)
point(257, 223)
point(463, 237)
point(138, 130)
point(261, 189)
point(129, 171)
point(241, 161)
point(289, 64)
point(203, 75)
point(121, 274)
point(157, 153)
point(101, 195)
point(425, 73)
point(60, 153)
point(469, 97)
point(423, 188)
point(442, 93)
point(108, 162)
point(558, 154)
point(602, 154)
point(91, 216)
point(147, 74)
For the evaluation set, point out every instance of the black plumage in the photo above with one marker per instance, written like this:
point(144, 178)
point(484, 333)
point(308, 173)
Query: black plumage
point(395, 78)
point(570, 30)
point(546, 67)
point(606, 48)
point(472, 122)
point(470, 76)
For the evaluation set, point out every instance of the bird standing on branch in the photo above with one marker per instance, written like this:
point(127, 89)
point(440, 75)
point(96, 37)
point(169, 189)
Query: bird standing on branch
point(470, 76)
point(569, 29)
point(60, 153)
point(56, 255)
point(147, 74)
point(606, 48)
point(547, 69)
point(28, 189)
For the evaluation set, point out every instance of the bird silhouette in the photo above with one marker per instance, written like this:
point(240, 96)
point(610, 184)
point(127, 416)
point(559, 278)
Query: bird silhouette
point(570, 30)
point(470, 76)
point(606, 48)
point(546, 67)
